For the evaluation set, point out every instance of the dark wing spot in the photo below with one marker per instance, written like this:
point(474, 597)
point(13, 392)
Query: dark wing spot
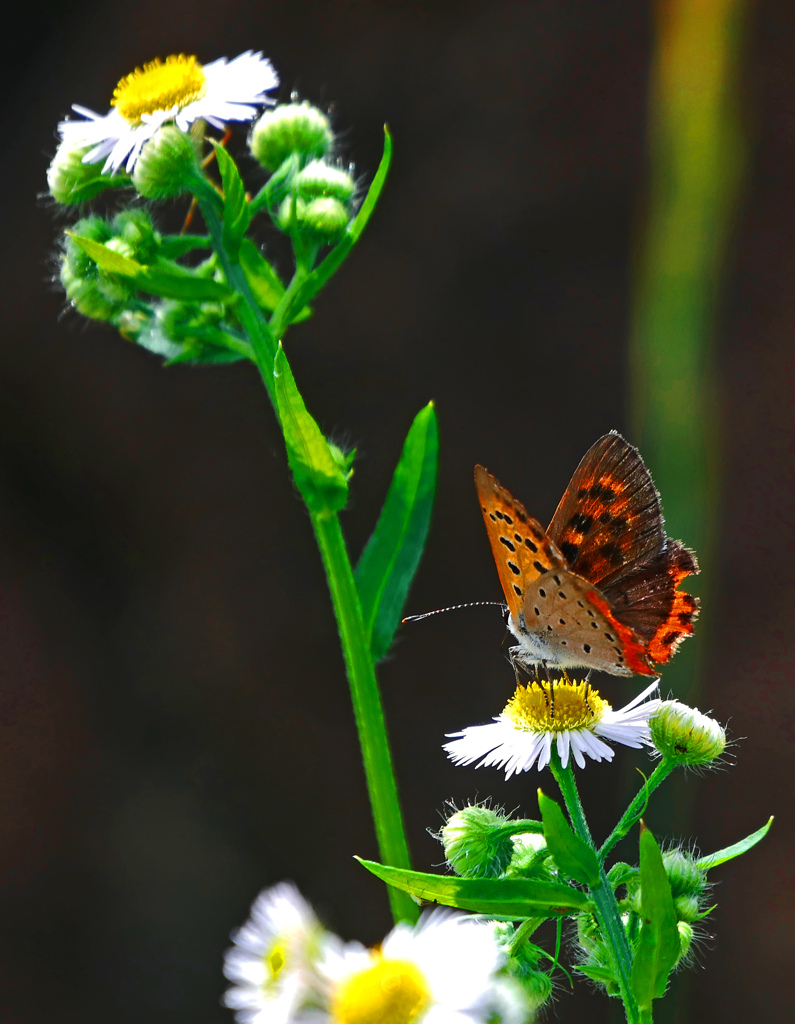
point(492, 517)
point(612, 554)
point(499, 514)
point(569, 550)
point(564, 642)
point(605, 517)
point(590, 613)
point(669, 638)
point(507, 519)
point(580, 604)
point(685, 618)
point(586, 648)
point(517, 590)
point(610, 637)
point(542, 593)
point(549, 628)
point(536, 611)
point(520, 515)
point(562, 622)
point(509, 544)
point(557, 580)
point(533, 547)
point(514, 568)
point(580, 522)
point(561, 594)
point(540, 568)
point(595, 625)
point(518, 538)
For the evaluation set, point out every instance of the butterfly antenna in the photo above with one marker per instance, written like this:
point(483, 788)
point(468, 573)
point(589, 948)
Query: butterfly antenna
point(452, 608)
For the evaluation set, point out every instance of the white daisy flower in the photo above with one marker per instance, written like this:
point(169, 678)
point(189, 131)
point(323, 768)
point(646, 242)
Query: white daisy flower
point(572, 715)
point(442, 971)
point(177, 89)
point(270, 963)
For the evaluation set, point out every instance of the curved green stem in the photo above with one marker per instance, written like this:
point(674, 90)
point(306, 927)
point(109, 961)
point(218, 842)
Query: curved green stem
point(605, 905)
point(367, 707)
point(633, 813)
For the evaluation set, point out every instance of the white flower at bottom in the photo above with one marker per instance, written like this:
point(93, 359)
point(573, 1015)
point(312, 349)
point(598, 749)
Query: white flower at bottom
point(442, 971)
point(177, 89)
point(572, 715)
point(270, 963)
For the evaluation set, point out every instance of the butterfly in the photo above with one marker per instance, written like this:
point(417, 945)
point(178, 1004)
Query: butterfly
point(599, 588)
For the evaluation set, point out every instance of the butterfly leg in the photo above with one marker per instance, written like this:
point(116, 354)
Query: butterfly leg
point(587, 690)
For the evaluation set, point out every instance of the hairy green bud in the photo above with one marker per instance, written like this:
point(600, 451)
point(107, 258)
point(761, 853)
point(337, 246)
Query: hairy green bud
point(290, 128)
point(168, 164)
point(685, 736)
point(72, 182)
point(319, 179)
point(475, 842)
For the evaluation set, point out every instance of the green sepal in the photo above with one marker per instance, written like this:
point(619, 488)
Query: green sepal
point(712, 860)
point(217, 349)
point(163, 279)
point(174, 246)
point(91, 188)
point(331, 264)
point(658, 945)
point(601, 975)
point(573, 856)
point(392, 554)
point(509, 898)
point(237, 215)
point(317, 475)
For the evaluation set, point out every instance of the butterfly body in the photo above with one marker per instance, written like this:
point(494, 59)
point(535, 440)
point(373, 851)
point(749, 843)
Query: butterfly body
point(598, 588)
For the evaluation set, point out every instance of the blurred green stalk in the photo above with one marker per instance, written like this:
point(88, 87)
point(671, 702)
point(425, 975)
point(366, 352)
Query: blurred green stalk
point(696, 160)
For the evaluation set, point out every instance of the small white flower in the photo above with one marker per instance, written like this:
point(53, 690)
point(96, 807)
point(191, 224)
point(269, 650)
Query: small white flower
point(177, 89)
point(270, 963)
point(442, 971)
point(572, 715)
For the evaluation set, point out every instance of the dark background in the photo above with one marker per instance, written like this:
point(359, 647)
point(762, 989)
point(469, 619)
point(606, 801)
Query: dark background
point(175, 730)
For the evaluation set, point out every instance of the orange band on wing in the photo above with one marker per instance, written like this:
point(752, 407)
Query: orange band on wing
point(634, 651)
point(677, 626)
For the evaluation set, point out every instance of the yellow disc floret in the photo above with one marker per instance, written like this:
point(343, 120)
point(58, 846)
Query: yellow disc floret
point(159, 85)
point(275, 959)
point(388, 992)
point(556, 707)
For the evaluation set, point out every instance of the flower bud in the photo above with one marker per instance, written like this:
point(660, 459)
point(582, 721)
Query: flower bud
point(322, 220)
point(87, 297)
point(475, 842)
point(686, 935)
point(167, 165)
point(287, 129)
point(684, 874)
point(685, 736)
point(530, 856)
point(81, 278)
point(319, 179)
point(72, 182)
point(136, 229)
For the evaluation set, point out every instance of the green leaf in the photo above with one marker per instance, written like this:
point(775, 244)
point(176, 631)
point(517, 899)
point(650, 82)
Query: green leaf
point(167, 281)
point(658, 942)
point(237, 216)
point(263, 280)
point(331, 264)
point(391, 557)
point(317, 475)
point(174, 246)
point(82, 192)
point(620, 873)
point(573, 856)
point(602, 975)
point(736, 850)
point(511, 898)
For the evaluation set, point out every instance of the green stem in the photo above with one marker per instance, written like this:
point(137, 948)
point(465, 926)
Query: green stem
point(605, 905)
point(633, 813)
point(370, 722)
point(250, 315)
point(278, 322)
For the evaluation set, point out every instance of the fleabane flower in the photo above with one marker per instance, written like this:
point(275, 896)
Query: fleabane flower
point(178, 89)
point(440, 971)
point(572, 715)
point(271, 962)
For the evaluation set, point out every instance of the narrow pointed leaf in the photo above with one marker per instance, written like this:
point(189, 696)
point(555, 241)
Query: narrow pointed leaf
point(331, 264)
point(602, 975)
point(168, 281)
point(317, 475)
point(174, 246)
point(236, 212)
point(658, 942)
point(511, 898)
point(573, 856)
point(736, 850)
point(391, 557)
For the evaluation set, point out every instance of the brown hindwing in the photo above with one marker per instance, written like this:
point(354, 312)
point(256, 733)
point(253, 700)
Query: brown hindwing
point(521, 550)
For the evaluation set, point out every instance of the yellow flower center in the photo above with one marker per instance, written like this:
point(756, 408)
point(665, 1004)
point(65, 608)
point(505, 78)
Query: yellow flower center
point(274, 960)
point(159, 85)
point(556, 707)
point(389, 992)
